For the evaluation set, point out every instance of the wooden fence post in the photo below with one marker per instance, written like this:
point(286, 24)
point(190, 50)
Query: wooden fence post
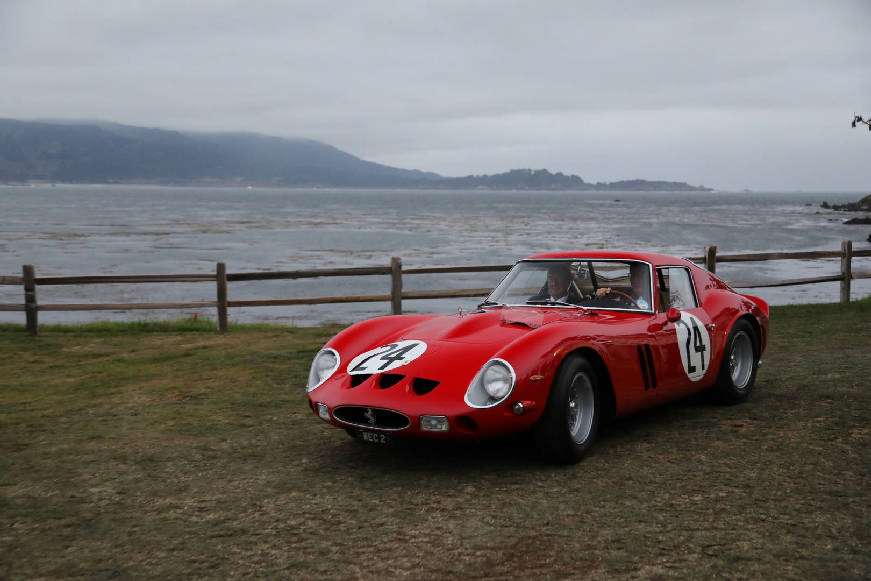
point(221, 279)
point(711, 259)
point(30, 307)
point(396, 286)
point(846, 269)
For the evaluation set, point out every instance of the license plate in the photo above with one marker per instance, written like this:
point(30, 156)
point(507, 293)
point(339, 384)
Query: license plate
point(374, 437)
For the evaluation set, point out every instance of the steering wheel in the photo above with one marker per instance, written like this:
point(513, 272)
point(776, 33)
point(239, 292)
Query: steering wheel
point(623, 296)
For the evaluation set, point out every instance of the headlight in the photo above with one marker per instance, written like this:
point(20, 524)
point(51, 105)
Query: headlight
point(491, 385)
point(497, 380)
point(324, 365)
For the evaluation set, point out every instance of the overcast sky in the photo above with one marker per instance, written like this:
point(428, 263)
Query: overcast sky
point(752, 94)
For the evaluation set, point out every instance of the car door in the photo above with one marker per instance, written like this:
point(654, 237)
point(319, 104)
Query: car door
point(683, 334)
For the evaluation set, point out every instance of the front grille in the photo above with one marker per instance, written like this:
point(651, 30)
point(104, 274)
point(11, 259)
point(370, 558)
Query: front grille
point(366, 417)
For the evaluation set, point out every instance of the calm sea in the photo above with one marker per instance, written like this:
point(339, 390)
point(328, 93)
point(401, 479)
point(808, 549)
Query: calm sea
point(76, 230)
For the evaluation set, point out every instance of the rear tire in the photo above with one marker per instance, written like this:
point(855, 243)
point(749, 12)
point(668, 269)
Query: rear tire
point(739, 365)
point(567, 428)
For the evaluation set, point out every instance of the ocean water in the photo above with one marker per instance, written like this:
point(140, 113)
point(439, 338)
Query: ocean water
point(79, 230)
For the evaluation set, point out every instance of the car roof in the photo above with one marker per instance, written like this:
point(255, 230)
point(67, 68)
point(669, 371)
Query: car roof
point(652, 257)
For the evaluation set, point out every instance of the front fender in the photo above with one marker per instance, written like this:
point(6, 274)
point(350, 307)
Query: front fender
point(372, 332)
point(536, 357)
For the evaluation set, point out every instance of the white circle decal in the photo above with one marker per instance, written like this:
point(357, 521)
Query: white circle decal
point(386, 357)
point(694, 345)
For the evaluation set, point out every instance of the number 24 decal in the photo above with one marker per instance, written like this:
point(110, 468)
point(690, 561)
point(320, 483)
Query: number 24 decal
point(694, 345)
point(386, 357)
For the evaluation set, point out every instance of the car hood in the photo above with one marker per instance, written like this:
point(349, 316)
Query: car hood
point(457, 345)
point(438, 356)
point(491, 326)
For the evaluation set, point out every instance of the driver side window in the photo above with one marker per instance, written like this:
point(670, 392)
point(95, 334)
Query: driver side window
point(675, 288)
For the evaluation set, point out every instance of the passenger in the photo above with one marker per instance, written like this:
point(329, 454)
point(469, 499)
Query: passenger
point(559, 287)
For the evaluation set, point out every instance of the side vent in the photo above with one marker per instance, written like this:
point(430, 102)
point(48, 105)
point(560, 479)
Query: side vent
point(643, 362)
point(648, 371)
point(649, 353)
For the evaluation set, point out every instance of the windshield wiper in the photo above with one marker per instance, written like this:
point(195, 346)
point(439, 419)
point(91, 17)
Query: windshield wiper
point(553, 302)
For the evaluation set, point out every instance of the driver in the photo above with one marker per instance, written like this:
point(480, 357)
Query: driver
point(638, 279)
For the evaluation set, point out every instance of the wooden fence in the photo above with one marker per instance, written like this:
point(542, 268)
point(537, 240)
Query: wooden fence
point(221, 278)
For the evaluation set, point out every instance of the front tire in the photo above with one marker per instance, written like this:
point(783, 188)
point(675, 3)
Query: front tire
point(739, 365)
point(567, 428)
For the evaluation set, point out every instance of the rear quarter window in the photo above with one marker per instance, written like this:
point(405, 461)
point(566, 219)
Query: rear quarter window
point(675, 288)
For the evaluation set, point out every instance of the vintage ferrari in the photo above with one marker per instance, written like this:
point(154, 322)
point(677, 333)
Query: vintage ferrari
point(567, 341)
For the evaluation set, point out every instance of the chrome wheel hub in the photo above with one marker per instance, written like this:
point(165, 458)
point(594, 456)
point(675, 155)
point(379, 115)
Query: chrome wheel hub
point(581, 408)
point(741, 360)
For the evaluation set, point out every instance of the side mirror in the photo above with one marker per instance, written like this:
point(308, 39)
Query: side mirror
point(672, 315)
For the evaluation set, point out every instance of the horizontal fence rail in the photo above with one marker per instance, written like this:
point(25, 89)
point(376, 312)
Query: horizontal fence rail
point(29, 281)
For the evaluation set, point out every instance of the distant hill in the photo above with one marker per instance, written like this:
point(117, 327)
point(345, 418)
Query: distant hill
point(542, 179)
point(101, 152)
point(112, 153)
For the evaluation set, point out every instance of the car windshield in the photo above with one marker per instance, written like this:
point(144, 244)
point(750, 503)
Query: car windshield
point(600, 284)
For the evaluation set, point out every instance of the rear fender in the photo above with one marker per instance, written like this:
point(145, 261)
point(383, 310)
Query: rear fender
point(761, 303)
point(759, 318)
point(725, 311)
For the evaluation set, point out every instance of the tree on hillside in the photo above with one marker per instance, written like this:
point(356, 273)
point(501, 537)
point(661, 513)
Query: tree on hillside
point(858, 119)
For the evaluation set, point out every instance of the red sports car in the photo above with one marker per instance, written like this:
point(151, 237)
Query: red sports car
point(566, 341)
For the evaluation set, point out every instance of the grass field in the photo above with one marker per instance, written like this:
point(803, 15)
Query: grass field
point(168, 451)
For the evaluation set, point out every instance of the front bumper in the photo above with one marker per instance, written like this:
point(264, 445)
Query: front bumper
point(403, 410)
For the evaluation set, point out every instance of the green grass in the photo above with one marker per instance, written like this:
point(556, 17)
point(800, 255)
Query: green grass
point(169, 451)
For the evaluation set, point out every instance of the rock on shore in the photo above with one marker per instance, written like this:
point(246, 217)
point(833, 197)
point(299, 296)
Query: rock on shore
point(863, 205)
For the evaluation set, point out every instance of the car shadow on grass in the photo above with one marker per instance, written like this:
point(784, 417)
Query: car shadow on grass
point(517, 451)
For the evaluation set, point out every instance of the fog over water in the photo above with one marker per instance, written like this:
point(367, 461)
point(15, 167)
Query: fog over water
point(79, 230)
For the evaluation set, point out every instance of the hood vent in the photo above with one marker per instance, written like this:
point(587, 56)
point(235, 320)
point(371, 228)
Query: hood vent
point(419, 385)
point(359, 378)
point(389, 380)
point(423, 386)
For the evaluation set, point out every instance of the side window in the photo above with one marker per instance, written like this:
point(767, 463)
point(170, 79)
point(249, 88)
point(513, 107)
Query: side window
point(675, 288)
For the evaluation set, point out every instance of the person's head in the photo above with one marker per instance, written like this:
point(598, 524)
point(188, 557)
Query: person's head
point(558, 278)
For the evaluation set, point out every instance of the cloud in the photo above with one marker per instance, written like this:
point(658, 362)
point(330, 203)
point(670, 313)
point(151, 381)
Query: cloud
point(668, 90)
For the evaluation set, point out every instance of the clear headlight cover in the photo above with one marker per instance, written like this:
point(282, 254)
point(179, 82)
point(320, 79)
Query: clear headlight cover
point(497, 380)
point(323, 366)
point(492, 385)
